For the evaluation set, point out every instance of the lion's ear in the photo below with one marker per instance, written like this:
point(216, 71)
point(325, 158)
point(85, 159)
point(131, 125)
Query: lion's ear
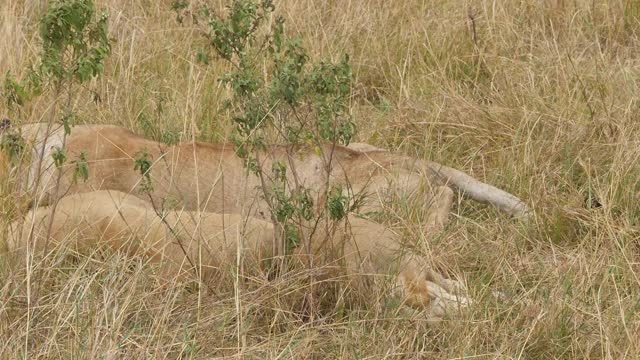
point(5, 124)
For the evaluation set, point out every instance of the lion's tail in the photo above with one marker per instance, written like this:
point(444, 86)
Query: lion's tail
point(480, 191)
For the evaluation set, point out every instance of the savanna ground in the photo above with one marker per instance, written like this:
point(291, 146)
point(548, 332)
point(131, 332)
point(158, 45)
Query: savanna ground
point(540, 98)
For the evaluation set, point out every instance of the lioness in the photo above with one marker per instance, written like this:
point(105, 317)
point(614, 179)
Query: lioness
point(210, 241)
point(209, 177)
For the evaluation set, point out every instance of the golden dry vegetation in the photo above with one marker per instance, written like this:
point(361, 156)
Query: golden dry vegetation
point(540, 98)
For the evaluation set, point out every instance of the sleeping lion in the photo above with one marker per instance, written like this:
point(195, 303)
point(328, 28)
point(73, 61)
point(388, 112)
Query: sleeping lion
point(210, 177)
point(181, 241)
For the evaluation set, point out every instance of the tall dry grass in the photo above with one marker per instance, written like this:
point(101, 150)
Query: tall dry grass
point(541, 100)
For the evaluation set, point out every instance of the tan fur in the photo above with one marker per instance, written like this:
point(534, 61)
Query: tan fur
point(210, 177)
point(125, 223)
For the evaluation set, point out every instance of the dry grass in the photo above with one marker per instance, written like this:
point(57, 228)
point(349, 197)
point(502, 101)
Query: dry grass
point(543, 103)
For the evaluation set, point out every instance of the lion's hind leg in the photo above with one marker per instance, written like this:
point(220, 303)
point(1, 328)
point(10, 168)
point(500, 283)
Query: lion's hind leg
point(423, 288)
point(443, 302)
point(452, 286)
point(440, 205)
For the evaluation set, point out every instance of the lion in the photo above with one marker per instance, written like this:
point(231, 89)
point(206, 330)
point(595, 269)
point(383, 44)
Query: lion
point(210, 177)
point(183, 240)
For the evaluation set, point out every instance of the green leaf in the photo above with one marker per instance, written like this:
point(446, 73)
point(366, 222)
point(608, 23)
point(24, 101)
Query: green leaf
point(80, 170)
point(143, 164)
point(59, 156)
point(13, 144)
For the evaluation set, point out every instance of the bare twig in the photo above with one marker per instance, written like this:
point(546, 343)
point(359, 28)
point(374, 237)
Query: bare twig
point(471, 14)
